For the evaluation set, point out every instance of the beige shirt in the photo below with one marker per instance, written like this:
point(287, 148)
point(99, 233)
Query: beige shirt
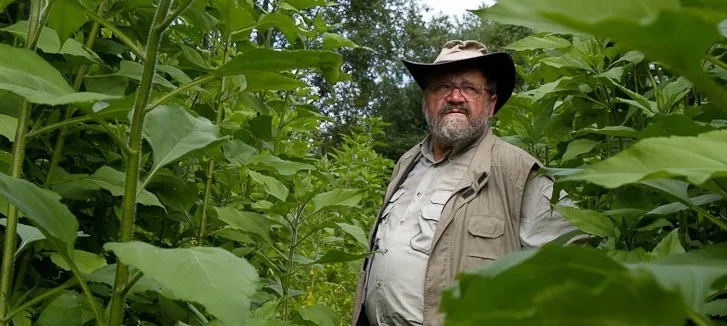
point(394, 293)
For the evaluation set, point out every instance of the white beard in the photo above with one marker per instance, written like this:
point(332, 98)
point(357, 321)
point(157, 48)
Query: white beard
point(456, 129)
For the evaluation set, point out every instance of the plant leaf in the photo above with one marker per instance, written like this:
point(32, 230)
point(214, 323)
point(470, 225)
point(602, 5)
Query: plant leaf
point(112, 180)
point(271, 185)
point(697, 159)
point(269, 60)
point(69, 308)
point(44, 209)
point(356, 232)
point(588, 221)
point(561, 286)
point(172, 133)
point(87, 262)
point(8, 125)
point(319, 314)
point(669, 245)
point(692, 273)
point(27, 233)
point(578, 147)
point(336, 198)
point(215, 278)
point(246, 221)
point(25, 73)
point(278, 165)
point(533, 42)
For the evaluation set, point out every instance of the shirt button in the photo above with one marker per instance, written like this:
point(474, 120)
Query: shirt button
point(402, 222)
point(378, 284)
point(419, 194)
point(386, 250)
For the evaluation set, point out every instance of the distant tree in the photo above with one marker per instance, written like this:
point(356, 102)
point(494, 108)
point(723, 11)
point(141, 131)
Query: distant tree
point(380, 84)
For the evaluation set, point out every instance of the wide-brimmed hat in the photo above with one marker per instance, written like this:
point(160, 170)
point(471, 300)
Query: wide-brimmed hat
point(496, 66)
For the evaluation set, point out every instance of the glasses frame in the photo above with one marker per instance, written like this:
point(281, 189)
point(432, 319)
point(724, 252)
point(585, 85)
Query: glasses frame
point(433, 88)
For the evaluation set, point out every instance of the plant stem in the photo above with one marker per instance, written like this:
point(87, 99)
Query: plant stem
point(167, 96)
point(16, 171)
point(38, 299)
point(211, 164)
point(122, 37)
point(86, 291)
point(133, 161)
point(78, 79)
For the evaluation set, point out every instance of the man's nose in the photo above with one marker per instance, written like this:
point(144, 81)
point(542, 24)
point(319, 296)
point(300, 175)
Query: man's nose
point(456, 96)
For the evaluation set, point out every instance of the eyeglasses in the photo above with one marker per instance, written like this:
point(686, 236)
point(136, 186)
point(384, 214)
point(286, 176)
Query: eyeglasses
point(469, 91)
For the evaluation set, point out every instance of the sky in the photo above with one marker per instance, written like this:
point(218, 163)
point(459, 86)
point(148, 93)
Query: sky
point(455, 7)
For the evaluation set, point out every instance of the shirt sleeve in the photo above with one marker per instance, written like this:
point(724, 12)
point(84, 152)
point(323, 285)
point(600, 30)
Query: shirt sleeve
point(539, 222)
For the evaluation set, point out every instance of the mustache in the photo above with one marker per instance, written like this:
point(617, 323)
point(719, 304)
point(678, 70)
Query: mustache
point(447, 108)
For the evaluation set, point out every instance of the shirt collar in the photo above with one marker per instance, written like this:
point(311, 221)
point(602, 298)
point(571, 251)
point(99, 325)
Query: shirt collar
point(452, 153)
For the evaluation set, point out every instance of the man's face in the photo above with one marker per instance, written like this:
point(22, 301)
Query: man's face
point(458, 106)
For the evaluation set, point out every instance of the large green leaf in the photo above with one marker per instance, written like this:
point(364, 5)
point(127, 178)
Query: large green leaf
point(534, 42)
point(319, 314)
point(44, 209)
point(283, 167)
point(246, 221)
point(336, 198)
point(27, 233)
point(579, 147)
point(25, 73)
point(694, 274)
point(356, 232)
point(669, 245)
point(272, 81)
point(69, 308)
point(87, 262)
point(271, 185)
point(8, 126)
point(172, 133)
point(49, 42)
point(66, 16)
point(697, 159)
point(108, 178)
point(650, 26)
point(561, 286)
point(268, 60)
point(588, 221)
point(215, 278)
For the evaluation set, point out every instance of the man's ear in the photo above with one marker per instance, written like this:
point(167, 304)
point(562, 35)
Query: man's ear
point(493, 104)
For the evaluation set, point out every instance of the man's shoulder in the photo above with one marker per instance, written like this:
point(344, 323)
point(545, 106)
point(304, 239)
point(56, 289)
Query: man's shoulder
point(505, 151)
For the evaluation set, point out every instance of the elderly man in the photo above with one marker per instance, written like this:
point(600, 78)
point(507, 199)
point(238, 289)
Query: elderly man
point(459, 199)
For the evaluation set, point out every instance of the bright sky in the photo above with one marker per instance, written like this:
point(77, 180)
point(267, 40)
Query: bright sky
point(455, 7)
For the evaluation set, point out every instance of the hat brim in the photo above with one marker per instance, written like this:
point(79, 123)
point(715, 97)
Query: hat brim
point(497, 66)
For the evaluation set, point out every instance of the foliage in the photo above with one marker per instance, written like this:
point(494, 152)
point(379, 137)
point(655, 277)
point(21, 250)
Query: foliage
point(634, 133)
point(161, 166)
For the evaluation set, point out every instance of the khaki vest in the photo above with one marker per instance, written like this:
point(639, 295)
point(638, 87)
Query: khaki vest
point(479, 223)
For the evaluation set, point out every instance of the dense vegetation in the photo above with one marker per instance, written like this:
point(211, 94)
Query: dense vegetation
point(220, 161)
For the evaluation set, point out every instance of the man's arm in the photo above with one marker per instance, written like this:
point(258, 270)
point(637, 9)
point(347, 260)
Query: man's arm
point(539, 222)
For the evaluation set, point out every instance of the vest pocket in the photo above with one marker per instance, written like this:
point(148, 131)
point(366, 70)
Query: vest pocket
point(484, 243)
point(428, 219)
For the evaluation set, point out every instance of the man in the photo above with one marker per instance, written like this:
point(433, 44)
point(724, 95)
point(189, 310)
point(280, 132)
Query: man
point(459, 199)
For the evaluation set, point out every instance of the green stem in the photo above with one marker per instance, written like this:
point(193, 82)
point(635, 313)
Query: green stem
point(38, 299)
point(697, 319)
point(211, 164)
point(715, 61)
point(70, 110)
point(86, 291)
point(205, 203)
point(167, 96)
point(133, 161)
point(16, 171)
point(138, 51)
point(55, 126)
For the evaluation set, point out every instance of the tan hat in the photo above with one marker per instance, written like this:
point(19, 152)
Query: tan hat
point(497, 66)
